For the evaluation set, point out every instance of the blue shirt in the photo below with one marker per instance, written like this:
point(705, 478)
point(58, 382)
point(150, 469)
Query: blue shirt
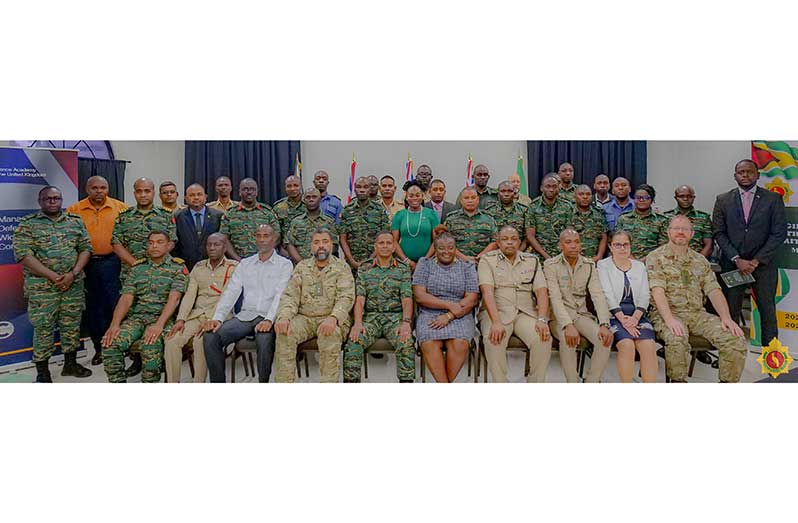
point(612, 210)
point(201, 215)
point(331, 205)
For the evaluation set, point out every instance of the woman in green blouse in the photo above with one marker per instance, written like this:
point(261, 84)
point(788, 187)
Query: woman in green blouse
point(412, 226)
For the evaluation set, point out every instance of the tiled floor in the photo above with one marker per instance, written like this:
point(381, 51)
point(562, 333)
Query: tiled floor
point(384, 371)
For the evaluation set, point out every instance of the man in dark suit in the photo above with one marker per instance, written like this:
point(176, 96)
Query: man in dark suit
point(750, 225)
point(194, 224)
point(437, 193)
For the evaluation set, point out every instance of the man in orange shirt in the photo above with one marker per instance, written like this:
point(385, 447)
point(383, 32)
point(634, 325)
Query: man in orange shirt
point(102, 287)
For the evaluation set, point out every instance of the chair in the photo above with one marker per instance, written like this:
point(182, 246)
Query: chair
point(243, 348)
point(472, 356)
point(516, 345)
point(306, 346)
point(380, 346)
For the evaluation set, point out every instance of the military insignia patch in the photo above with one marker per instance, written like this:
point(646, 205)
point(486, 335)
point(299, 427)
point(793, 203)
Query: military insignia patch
point(775, 359)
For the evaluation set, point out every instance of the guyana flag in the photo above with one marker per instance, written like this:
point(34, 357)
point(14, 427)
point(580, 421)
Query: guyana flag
point(775, 159)
point(519, 170)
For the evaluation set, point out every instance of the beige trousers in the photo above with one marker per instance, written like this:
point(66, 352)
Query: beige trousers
point(524, 327)
point(173, 353)
point(601, 354)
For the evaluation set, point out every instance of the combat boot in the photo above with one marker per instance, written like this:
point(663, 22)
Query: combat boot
point(135, 367)
point(73, 368)
point(43, 372)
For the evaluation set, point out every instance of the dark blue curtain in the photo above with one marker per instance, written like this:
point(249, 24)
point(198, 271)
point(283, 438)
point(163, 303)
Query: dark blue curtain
point(268, 162)
point(589, 158)
point(111, 170)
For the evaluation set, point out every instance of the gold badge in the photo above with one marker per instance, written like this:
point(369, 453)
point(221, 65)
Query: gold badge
point(775, 359)
point(781, 188)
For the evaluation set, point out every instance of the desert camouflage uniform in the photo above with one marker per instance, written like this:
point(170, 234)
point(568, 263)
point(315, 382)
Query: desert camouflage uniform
point(702, 226)
point(686, 280)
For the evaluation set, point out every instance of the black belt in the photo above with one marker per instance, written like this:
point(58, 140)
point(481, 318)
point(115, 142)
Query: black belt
point(102, 256)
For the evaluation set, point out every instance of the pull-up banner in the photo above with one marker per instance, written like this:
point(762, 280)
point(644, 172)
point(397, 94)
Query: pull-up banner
point(23, 172)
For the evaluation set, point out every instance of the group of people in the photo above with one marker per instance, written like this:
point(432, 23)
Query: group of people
point(576, 268)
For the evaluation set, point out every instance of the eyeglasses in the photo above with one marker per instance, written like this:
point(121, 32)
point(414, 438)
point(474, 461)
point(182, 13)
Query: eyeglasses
point(643, 197)
point(621, 245)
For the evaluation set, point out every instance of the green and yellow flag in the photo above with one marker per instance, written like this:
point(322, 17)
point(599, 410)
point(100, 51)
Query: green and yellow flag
point(519, 170)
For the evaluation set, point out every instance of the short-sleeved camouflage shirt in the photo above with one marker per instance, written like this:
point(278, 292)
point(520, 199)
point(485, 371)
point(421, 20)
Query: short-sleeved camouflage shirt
point(361, 225)
point(472, 233)
point(702, 226)
point(384, 287)
point(133, 226)
point(590, 225)
point(549, 221)
point(286, 211)
point(647, 232)
point(239, 224)
point(150, 284)
point(56, 243)
point(514, 215)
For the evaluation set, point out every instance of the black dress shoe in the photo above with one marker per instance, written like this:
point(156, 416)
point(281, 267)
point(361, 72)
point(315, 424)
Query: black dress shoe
point(703, 357)
point(377, 355)
point(97, 359)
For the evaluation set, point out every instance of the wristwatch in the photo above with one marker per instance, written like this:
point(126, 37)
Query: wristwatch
point(544, 320)
point(406, 320)
point(604, 325)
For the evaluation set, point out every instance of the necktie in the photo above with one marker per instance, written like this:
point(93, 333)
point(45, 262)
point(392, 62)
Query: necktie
point(747, 197)
point(198, 223)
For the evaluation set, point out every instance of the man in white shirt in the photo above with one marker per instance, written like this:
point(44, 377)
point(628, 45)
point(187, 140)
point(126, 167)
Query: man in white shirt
point(262, 278)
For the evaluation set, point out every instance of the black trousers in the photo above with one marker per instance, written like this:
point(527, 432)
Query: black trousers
point(764, 290)
point(230, 332)
point(102, 288)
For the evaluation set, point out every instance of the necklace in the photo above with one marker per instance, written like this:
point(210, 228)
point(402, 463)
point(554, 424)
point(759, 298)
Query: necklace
point(407, 222)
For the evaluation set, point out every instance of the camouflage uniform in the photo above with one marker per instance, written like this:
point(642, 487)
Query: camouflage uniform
point(702, 226)
point(590, 225)
point(686, 279)
point(549, 221)
point(286, 212)
point(239, 224)
point(361, 225)
point(383, 289)
point(301, 227)
point(313, 295)
point(569, 193)
point(646, 231)
point(133, 226)
point(56, 244)
point(150, 285)
point(486, 199)
point(472, 233)
point(514, 215)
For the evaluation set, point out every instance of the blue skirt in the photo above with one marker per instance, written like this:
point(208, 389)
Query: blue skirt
point(644, 326)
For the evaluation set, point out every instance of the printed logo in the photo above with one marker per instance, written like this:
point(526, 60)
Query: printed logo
point(775, 359)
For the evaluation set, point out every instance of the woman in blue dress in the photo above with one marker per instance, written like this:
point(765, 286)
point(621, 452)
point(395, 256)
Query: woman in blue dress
point(446, 291)
point(625, 284)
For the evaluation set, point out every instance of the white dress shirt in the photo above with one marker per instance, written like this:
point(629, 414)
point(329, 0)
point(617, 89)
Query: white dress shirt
point(263, 283)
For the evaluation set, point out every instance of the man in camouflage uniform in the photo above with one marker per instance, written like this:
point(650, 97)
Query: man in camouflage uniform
point(702, 223)
point(297, 237)
point(679, 279)
point(315, 304)
point(383, 309)
point(374, 187)
point(361, 220)
point(487, 195)
point(223, 202)
point(590, 223)
point(133, 226)
point(240, 222)
point(508, 211)
point(473, 228)
point(53, 247)
point(646, 227)
point(289, 207)
point(565, 173)
point(131, 230)
point(515, 300)
point(150, 296)
point(547, 217)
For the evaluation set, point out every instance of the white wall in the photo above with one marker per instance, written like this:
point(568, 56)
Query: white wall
point(157, 159)
point(707, 166)
point(447, 159)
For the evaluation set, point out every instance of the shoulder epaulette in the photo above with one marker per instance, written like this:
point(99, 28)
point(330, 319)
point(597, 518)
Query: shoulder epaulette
point(139, 261)
point(178, 260)
point(492, 254)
